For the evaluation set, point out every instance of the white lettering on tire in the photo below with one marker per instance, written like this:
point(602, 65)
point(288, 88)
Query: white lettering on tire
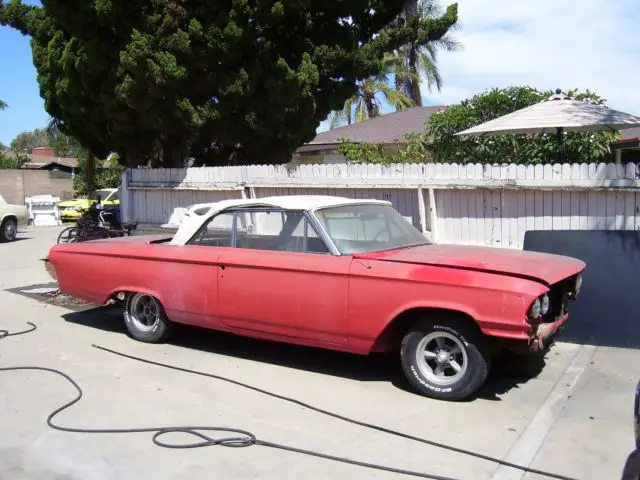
point(428, 385)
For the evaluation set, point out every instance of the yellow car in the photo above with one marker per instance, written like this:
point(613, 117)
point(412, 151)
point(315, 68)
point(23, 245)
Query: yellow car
point(70, 210)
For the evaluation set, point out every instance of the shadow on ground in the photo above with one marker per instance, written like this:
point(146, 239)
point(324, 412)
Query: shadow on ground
point(17, 239)
point(507, 373)
point(607, 311)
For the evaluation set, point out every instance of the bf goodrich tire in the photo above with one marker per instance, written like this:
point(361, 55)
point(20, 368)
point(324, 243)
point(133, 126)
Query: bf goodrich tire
point(445, 358)
point(146, 319)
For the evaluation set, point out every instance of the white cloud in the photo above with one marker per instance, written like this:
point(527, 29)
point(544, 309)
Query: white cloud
point(547, 44)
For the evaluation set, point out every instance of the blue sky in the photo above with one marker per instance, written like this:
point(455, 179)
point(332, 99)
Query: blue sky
point(19, 87)
point(547, 44)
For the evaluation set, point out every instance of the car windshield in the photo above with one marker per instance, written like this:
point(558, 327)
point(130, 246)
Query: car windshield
point(104, 194)
point(368, 228)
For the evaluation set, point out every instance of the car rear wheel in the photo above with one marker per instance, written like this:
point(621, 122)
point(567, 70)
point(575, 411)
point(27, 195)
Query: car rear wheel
point(445, 358)
point(145, 318)
point(8, 230)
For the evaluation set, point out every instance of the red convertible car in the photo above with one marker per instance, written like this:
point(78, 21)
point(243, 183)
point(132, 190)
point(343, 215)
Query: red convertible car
point(335, 273)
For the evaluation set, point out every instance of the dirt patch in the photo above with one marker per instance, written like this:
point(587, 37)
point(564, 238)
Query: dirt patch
point(48, 293)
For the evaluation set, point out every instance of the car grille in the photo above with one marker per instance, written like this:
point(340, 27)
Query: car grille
point(559, 296)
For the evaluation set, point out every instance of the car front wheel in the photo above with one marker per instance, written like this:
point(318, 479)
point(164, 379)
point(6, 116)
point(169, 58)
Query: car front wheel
point(445, 358)
point(145, 318)
point(8, 230)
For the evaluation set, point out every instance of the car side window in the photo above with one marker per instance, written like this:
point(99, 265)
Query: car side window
point(277, 230)
point(217, 232)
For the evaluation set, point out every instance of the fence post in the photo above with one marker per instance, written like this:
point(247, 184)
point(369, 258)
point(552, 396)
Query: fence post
point(433, 215)
point(126, 202)
point(422, 211)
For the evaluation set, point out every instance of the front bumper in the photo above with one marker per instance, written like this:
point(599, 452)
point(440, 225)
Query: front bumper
point(70, 214)
point(544, 333)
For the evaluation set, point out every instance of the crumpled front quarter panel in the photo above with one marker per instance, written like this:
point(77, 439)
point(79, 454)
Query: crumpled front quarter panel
point(380, 291)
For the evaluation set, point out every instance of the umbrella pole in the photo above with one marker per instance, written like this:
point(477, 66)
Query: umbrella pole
point(559, 139)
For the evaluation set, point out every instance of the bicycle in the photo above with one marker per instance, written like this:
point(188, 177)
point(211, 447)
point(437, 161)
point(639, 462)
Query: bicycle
point(92, 226)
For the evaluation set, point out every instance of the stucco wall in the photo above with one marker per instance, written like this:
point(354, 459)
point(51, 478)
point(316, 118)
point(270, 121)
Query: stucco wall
point(15, 185)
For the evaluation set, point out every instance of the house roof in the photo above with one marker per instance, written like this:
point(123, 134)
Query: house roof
point(389, 129)
point(629, 138)
point(630, 133)
point(45, 160)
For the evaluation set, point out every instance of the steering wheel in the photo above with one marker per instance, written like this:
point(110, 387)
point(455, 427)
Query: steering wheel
point(380, 232)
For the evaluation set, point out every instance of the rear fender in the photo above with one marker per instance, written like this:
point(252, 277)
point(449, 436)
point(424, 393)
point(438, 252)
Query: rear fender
point(134, 289)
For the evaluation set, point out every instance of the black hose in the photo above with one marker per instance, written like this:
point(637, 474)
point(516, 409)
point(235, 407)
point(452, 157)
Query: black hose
point(243, 438)
point(5, 333)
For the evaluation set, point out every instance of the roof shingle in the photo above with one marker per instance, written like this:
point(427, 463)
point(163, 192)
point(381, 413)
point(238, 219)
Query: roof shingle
point(389, 128)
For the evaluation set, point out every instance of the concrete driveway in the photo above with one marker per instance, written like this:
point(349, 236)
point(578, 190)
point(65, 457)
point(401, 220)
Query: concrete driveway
point(571, 416)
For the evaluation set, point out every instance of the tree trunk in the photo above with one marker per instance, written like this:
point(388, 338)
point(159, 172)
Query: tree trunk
point(410, 86)
point(370, 105)
point(90, 174)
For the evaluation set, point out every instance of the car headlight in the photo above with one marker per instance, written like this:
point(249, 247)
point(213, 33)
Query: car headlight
point(534, 311)
point(544, 304)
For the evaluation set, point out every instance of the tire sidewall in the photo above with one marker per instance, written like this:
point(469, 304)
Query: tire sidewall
point(474, 376)
point(159, 331)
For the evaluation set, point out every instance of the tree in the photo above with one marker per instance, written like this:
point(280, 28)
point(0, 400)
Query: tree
point(442, 127)
point(225, 82)
point(24, 142)
point(93, 175)
point(416, 61)
point(3, 105)
point(366, 102)
point(63, 145)
point(7, 162)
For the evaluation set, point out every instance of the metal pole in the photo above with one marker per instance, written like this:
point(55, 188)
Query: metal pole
point(559, 152)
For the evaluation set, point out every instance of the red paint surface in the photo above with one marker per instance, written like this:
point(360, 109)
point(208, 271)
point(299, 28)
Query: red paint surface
point(342, 303)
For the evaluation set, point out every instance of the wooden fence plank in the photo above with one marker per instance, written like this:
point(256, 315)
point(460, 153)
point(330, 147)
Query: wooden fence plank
point(459, 203)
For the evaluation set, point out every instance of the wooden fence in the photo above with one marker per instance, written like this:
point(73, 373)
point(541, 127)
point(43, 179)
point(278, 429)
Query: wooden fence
point(465, 204)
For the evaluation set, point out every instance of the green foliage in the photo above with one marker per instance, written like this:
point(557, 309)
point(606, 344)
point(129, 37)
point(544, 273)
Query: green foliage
point(224, 82)
point(106, 176)
point(363, 152)
point(522, 149)
point(24, 142)
point(8, 162)
point(51, 136)
point(366, 103)
point(3, 105)
point(414, 150)
point(417, 62)
point(109, 176)
point(63, 145)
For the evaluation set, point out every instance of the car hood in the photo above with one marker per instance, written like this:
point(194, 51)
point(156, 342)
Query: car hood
point(78, 202)
point(545, 267)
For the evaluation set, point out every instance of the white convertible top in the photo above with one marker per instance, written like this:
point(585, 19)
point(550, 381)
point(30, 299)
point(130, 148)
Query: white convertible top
point(197, 215)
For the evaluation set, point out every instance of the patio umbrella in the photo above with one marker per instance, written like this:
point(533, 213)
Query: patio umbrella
point(557, 114)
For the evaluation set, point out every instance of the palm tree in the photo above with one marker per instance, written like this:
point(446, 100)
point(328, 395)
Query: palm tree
point(366, 102)
point(415, 61)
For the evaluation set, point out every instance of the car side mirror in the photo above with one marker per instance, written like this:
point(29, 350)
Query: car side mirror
point(632, 467)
